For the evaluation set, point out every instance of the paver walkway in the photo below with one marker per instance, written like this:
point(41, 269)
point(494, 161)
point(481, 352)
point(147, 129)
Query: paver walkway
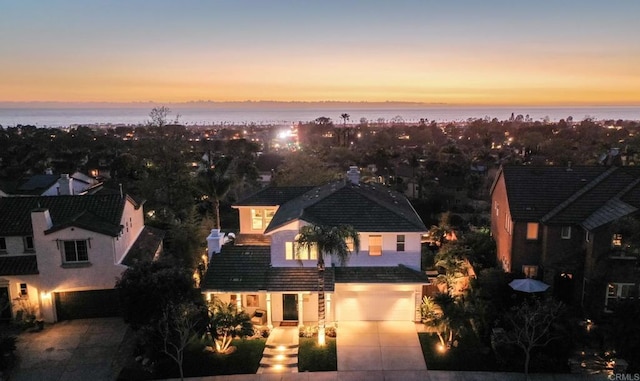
point(280, 351)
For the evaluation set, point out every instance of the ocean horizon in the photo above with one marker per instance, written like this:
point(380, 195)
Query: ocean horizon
point(285, 115)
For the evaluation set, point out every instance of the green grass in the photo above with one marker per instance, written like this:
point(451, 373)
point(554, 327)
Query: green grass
point(468, 355)
point(312, 358)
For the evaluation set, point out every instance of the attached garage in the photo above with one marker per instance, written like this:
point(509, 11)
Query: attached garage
point(87, 304)
point(375, 303)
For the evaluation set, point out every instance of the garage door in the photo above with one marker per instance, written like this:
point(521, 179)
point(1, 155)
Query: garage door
point(397, 305)
point(87, 304)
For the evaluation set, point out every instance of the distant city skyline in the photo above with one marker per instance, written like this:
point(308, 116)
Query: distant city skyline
point(458, 52)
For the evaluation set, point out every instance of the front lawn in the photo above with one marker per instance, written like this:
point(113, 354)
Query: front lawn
point(312, 358)
point(470, 354)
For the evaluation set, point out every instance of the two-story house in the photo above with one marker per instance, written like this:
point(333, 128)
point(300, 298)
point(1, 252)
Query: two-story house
point(572, 227)
point(60, 255)
point(263, 270)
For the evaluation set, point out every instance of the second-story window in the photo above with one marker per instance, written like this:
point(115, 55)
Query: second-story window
point(295, 253)
point(28, 243)
point(375, 245)
point(565, 233)
point(400, 242)
point(616, 240)
point(260, 218)
point(532, 231)
point(75, 251)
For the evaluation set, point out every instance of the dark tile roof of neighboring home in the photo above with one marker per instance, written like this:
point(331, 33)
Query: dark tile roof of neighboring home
point(298, 279)
point(590, 196)
point(146, 246)
point(99, 213)
point(273, 196)
point(398, 274)
point(37, 184)
point(18, 265)
point(366, 207)
point(238, 268)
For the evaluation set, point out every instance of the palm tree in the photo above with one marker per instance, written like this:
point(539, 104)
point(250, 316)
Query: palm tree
point(215, 182)
point(331, 241)
point(345, 117)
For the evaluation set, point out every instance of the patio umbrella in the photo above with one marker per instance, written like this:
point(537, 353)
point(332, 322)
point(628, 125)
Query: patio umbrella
point(528, 285)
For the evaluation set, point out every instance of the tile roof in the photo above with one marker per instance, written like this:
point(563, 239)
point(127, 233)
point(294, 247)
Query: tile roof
point(238, 268)
point(298, 279)
point(145, 247)
point(18, 265)
point(37, 184)
point(100, 213)
point(366, 207)
point(591, 196)
point(398, 274)
point(252, 240)
point(273, 196)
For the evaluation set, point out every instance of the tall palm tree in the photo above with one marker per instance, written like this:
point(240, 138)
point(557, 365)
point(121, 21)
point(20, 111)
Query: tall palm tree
point(215, 182)
point(345, 132)
point(329, 241)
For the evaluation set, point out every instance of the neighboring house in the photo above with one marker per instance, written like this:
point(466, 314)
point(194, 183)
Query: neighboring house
point(576, 228)
point(55, 185)
point(61, 255)
point(261, 270)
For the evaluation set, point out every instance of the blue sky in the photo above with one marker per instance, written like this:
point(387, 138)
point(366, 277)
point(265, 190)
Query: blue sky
point(464, 52)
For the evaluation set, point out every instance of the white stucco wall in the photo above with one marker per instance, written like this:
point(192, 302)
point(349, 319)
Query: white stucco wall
point(132, 223)
point(13, 285)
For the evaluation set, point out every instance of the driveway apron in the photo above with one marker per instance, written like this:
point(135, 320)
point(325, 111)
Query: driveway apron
point(377, 345)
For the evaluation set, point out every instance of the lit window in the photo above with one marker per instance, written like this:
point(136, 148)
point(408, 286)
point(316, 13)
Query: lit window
point(566, 232)
point(3, 245)
point(252, 300)
point(350, 244)
point(23, 290)
point(400, 242)
point(375, 245)
point(616, 240)
point(75, 251)
point(532, 230)
point(28, 243)
point(530, 271)
point(256, 219)
point(293, 253)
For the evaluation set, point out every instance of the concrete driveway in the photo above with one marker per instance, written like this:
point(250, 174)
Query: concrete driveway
point(70, 350)
point(375, 346)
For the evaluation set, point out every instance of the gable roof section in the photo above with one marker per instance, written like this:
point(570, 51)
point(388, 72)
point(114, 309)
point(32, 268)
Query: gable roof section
point(591, 196)
point(238, 268)
point(99, 213)
point(18, 265)
point(37, 184)
point(366, 207)
point(273, 196)
point(146, 246)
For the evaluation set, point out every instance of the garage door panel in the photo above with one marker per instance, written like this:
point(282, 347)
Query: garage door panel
point(375, 307)
point(87, 304)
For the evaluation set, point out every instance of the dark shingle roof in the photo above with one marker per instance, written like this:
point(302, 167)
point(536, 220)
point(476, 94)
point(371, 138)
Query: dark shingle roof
point(37, 184)
point(100, 213)
point(145, 247)
point(273, 196)
point(398, 274)
point(238, 268)
point(366, 207)
point(298, 279)
point(591, 196)
point(18, 265)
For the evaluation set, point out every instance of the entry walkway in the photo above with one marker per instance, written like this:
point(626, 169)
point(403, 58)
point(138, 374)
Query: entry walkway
point(281, 351)
point(378, 346)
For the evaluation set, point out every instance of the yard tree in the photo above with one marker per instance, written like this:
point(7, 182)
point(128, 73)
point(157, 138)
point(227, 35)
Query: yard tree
point(226, 322)
point(531, 325)
point(329, 241)
point(178, 327)
point(147, 288)
point(214, 182)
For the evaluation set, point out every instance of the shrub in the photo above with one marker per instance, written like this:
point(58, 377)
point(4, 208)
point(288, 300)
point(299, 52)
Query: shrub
point(331, 332)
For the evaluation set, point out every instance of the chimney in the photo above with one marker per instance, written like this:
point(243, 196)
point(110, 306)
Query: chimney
point(65, 185)
point(215, 240)
point(40, 221)
point(353, 174)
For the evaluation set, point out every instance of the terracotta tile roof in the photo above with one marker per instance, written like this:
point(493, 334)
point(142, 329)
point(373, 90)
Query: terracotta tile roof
point(99, 213)
point(18, 265)
point(144, 249)
point(366, 207)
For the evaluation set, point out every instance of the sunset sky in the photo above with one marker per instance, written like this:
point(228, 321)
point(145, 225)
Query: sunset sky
point(458, 52)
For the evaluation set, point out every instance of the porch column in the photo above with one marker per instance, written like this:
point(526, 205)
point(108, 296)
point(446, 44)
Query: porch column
point(269, 321)
point(328, 307)
point(300, 310)
point(239, 302)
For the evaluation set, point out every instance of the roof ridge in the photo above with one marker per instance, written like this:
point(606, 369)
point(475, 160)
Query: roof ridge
point(578, 194)
point(626, 189)
point(386, 204)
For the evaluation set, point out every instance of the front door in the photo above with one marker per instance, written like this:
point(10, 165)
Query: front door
point(5, 305)
point(290, 307)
